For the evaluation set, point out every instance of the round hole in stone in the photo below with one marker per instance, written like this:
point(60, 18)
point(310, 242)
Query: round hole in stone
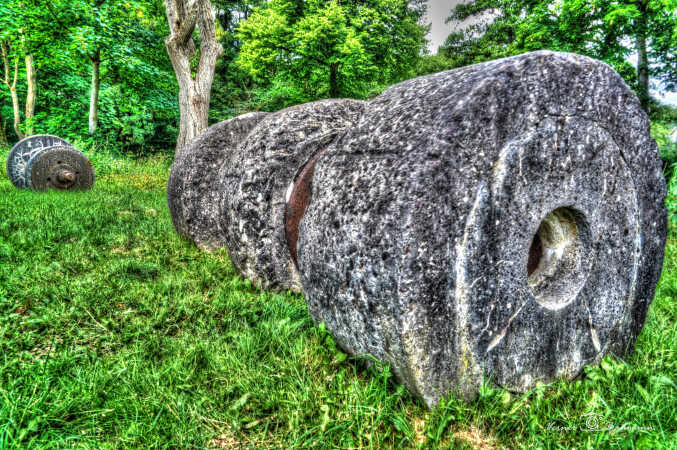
point(559, 258)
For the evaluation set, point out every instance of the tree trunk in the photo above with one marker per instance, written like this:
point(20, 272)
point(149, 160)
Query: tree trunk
point(3, 134)
point(642, 60)
point(12, 87)
point(94, 94)
point(194, 91)
point(30, 93)
point(17, 112)
point(333, 80)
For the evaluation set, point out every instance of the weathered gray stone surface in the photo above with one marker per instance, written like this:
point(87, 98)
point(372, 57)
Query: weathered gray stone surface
point(193, 193)
point(254, 190)
point(505, 219)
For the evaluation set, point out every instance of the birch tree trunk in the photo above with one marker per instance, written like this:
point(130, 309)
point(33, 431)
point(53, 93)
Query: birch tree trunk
point(183, 17)
point(94, 94)
point(30, 93)
point(3, 134)
point(17, 114)
point(12, 87)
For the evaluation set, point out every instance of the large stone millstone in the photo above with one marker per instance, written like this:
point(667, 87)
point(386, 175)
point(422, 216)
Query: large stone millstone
point(263, 195)
point(193, 193)
point(504, 219)
point(23, 151)
point(61, 168)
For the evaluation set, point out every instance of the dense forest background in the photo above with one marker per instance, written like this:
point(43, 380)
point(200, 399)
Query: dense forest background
point(97, 73)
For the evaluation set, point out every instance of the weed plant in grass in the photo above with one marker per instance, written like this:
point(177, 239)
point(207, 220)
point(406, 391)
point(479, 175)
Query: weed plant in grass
point(115, 333)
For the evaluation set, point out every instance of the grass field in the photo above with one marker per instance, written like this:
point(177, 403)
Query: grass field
point(116, 333)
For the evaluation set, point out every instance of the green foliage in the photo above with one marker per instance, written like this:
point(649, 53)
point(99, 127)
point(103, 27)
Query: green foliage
point(138, 107)
point(661, 131)
point(282, 52)
point(428, 64)
point(233, 90)
point(604, 29)
point(302, 51)
point(663, 125)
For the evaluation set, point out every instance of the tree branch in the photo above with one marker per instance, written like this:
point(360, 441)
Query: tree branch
point(16, 71)
point(181, 31)
point(210, 49)
point(96, 56)
point(54, 15)
point(5, 62)
point(314, 58)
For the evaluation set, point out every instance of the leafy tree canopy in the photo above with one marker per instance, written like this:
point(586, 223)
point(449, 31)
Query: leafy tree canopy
point(137, 103)
point(610, 30)
point(313, 49)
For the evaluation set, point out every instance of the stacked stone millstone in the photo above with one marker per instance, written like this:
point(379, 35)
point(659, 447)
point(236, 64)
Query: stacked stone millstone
point(255, 190)
point(503, 219)
point(42, 162)
point(23, 151)
point(60, 167)
point(193, 193)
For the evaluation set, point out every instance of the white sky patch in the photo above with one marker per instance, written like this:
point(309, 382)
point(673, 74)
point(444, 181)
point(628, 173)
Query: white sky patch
point(438, 11)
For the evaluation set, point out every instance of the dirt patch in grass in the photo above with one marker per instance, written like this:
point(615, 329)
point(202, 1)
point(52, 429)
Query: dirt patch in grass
point(476, 438)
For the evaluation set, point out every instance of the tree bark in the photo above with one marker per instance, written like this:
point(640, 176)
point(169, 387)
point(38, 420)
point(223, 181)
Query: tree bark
point(333, 80)
point(17, 114)
point(12, 87)
point(94, 94)
point(183, 17)
point(3, 134)
point(642, 59)
point(30, 93)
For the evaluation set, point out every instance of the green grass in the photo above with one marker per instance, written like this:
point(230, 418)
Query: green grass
point(116, 333)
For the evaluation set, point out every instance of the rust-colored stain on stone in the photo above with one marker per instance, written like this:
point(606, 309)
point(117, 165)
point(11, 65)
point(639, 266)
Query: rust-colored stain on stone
point(297, 204)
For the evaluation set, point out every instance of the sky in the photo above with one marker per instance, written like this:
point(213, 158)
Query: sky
point(439, 10)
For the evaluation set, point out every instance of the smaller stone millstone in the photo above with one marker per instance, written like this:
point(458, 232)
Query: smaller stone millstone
point(263, 195)
point(23, 151)
point(502, 220)
point(60, 168)
point(193, 192)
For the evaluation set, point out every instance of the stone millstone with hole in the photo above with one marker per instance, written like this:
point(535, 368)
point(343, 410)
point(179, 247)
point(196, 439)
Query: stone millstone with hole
point(263, 195)
point(60, 168)
point(193, 193)
point(504, 220)
point(23, 151)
